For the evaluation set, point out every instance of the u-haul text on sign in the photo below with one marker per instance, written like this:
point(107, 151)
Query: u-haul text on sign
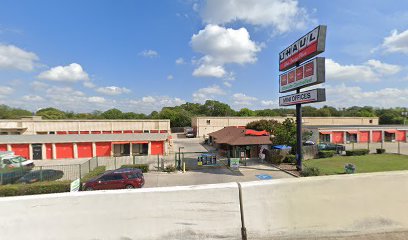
point(315, 95)
point(307, 74)
point(306, 47)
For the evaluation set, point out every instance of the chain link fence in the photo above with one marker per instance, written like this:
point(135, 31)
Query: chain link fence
point(390, 147)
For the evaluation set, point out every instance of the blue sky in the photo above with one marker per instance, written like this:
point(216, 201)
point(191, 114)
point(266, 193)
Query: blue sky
point(143, 55)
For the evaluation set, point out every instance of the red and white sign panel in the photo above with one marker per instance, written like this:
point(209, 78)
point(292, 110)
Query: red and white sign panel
point(306, 47)
point(312, 96)
point(308, 74)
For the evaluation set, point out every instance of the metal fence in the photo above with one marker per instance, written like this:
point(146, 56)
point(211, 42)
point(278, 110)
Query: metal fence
point(390, 147)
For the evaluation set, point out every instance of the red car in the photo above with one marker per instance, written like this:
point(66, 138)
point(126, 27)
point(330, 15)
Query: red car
point(116, 179)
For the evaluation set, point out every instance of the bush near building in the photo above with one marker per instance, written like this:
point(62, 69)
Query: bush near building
point(290, 159)
point(357, 152)
point(94, 173)
point(380, 150)
point(310, 171)
point(143, 167)
point(326, 153)
point(34, 188)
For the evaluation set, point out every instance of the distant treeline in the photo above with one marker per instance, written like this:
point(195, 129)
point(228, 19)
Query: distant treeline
point(180, 116)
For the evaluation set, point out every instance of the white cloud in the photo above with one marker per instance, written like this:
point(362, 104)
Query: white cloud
point(207, 93)
point(148, 99)
point(170, 77)
point(240, 99)
point(33, 98)
point(96, 100)
point(70, 73)
point(148, 104)
point(149, 53)
point(371, 71)
point(12, 57)
point(89, 84)
point(396, 42)
point(180, 61)
point(39, 86)
point(4, 90)
point(113, 90)
point(221, 46)
point(268, 103)
point(345, 96)
point(227, 84)
point(282, 15)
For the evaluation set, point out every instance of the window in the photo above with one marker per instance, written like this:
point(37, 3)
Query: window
point(324, 137)
point(132, 175)
point(351, 137)
point(208, 122)
point(52, 132)
point(146, 131)
point(105, 178)
point(117, 177)
point(370, 121)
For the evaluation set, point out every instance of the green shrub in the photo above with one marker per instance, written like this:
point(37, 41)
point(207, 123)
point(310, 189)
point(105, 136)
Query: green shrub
point(357, 152)
point(94, 173)
point(170, 168)
point(290, 159)
point(380, 150)
point(143, 167)
point(34, 188)
point(310, 171)
point(326, 153)
point(277, 158)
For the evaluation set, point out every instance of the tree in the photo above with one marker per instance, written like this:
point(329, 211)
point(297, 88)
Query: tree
point(245, 112)
point(215, 108)
point(112, 114)
point(51, 113)
point(267, 125)
point(12, 113)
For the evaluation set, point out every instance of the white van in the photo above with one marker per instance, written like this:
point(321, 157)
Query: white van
point(9, 160)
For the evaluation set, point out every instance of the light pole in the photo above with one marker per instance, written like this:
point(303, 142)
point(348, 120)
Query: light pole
point(405, 114)
point(179, 161)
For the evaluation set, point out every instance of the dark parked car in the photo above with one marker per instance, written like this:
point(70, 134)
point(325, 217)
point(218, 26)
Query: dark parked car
point(330, 146)
point(41, 175)
point(116, 179)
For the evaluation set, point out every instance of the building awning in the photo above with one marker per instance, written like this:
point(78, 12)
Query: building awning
point(140, 142)
point(325, 132)
point(352, 132)
point(120, 142)
point(390, 131)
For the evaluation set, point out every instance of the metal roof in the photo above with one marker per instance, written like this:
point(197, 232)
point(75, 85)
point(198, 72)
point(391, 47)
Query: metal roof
point(68, 138)
point(346, 127)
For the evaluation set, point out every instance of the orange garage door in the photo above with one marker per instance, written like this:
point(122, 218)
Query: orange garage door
point(48, 150)
point(84, 150)
point(3, 147)
point(338, 137)
point(64, 150)
point(103, 149)
point(377, 136)
point(401, 136)
point(157, 148)
point(364, 136)
point(21, 150)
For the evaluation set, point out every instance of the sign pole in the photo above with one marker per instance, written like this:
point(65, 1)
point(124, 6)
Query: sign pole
point(299, 155)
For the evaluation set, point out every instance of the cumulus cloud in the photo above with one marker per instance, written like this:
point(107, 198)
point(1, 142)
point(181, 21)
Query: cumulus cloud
point(228, 84)
point(180, 61)
point(346, 96)
point(148, 104)
point(221, 46)
point(39, 86)
point(70, 73)
point(149, 53)
point(282, 15)
point(207, 93)
point(241, 99)
point(268, 103)
point(4, 90)
point(371, 71)
point(12, 57)
point(113, 90)
point(396, 42)
point(33, 98)
point(170, 77)
point(96, 99)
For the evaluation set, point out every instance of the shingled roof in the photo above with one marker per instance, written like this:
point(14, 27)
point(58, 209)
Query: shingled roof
point(239, 136)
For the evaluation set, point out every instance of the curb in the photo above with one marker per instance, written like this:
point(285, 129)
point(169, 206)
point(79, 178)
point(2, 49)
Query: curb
point(286, 171)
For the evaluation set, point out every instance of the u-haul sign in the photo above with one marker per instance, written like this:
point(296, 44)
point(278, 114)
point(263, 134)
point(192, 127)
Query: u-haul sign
point(312, 96)
point(306, 47)
point(307, 74)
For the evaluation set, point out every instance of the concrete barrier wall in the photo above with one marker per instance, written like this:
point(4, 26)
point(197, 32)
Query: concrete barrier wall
point(194, 212)
point(324, 206)
point(276, 209)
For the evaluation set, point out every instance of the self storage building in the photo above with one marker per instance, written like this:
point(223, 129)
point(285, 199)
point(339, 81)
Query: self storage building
point(69, 146)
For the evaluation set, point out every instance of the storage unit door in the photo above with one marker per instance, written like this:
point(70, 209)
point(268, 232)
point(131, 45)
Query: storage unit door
point(64, 150)
point(48, 151)
point(377, 136)
point(157, 148)
point(37, 151)
point(21, 150)
point(338, 137)
point(3, 147)
point(364, 136)
point(103, 149)
point(84, 150)
point(400, 135)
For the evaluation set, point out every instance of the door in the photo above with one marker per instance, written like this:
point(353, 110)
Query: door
point(64, 150)
point(111, 181)
point(21, 150)
point(84, 150)
point(37, 151)
point(157, 148)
